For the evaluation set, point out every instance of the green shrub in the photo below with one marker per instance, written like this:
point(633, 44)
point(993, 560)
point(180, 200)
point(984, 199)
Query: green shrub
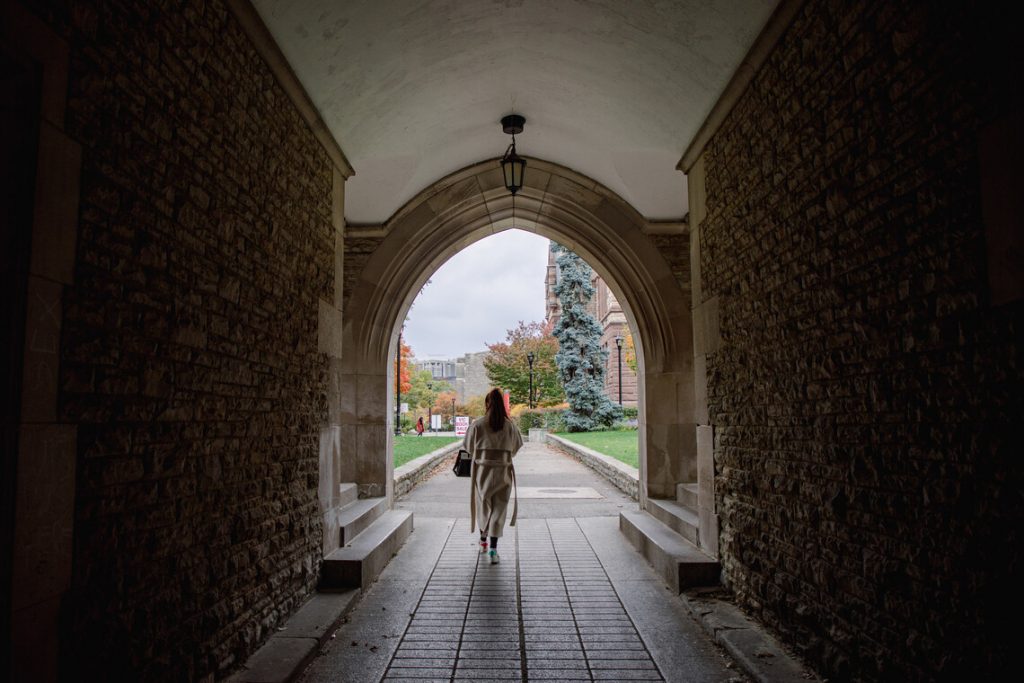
point(541, 418)
point(529, 419)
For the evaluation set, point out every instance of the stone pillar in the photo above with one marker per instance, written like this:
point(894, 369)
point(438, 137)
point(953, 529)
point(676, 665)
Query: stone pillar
point(365, 436)
point(45, 459)
point(329, 342)
point(668, 431)
point(706, 339)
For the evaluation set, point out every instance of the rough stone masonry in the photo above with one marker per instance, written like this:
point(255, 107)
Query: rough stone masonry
point(190, 342)
point(866, 396)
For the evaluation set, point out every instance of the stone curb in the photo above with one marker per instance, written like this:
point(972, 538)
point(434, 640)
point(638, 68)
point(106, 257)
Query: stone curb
point(285, 656)
point(758, 653)
point(621, 475)
point(415, 471)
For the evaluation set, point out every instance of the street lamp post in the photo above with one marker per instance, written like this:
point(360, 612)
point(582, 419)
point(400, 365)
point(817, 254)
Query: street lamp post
point(398, 387)
point(618, 345)
point(529, 359)
point(453, 414)
point(430, 407)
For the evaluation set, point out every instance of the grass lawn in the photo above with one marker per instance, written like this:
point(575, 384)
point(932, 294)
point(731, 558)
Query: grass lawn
point(622, 445)
point(409, 447)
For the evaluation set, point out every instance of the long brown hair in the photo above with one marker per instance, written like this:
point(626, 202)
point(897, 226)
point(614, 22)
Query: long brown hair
point(496, 415)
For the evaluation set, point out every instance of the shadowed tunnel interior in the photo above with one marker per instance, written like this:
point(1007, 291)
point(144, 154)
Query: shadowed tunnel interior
point(217, 211)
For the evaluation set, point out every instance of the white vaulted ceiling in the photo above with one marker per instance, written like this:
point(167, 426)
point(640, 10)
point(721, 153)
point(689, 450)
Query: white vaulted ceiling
point(614, 89)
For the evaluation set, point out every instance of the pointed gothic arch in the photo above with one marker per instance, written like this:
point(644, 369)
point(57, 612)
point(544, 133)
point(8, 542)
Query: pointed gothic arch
point(386, 266)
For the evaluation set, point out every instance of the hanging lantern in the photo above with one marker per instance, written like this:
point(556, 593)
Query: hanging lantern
point(513, 166)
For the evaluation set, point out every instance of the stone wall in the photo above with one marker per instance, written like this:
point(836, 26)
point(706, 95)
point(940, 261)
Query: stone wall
point(190, 356)
point(866, 395)
point(471, 380)
point(622, 476)
point(409, 475)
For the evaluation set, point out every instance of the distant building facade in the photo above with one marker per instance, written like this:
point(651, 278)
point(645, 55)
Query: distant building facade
point(439, 368)
point(604, 306)
point(466, 374)
point(613, 323)
point(471, 376)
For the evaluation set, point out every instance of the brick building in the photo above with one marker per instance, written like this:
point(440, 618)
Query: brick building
point(606, 309)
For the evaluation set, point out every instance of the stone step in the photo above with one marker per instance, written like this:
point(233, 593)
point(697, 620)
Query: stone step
point(678, 561)
point(680, 518)
point(359, 562)
point(354, 518)
point(687, 494)
point(348, 493)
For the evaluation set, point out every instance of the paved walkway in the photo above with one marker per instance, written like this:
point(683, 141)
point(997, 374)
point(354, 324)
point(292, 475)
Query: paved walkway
point(571, 600)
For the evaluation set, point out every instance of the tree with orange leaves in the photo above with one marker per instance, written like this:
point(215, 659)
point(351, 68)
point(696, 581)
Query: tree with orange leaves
point(443, 403)
point(629, 351)
point(405, 378)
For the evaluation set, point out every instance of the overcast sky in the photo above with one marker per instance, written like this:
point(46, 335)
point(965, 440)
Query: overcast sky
point(479, 294)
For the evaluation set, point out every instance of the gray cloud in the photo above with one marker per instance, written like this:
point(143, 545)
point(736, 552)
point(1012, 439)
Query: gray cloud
point(478, 294)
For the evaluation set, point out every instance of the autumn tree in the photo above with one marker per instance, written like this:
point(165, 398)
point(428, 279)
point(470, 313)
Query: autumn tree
point(629, 351)
point(405, 379)
point(474, 407)
point(508, 367)
point(443, 403)
point(424, 389)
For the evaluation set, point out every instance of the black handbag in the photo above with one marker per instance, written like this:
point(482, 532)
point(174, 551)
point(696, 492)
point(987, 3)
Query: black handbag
point(463, 463)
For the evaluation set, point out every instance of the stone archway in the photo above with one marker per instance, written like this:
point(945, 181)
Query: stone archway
point(386, 266)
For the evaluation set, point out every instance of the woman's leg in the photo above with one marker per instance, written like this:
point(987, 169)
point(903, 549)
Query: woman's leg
point(493, 555)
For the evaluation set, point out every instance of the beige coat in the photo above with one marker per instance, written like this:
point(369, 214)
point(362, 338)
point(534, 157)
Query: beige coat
point(494, 478)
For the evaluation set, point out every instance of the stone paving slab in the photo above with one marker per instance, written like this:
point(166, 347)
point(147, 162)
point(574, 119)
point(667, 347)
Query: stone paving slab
point(570, 601)
point(759, 654)
point(277, 661)
point(497, 642)
point(289, 650)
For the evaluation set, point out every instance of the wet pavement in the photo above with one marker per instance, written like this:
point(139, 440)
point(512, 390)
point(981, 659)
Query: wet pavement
point(570, 600)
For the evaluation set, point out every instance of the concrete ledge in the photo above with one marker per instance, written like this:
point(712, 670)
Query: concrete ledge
point(676, 517)
point(679, 562)
point(415, 471)
point(289, 651)
point(359, 562)
point(354, 518)
point(760, 655)
point(687, 495)
point(621, 475)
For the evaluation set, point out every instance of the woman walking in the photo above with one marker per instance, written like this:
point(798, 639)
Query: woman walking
point(492, 440)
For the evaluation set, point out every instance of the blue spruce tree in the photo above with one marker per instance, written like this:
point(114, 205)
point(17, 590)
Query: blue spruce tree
point(580, 359)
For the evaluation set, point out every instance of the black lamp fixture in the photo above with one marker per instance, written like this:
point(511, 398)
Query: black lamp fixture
point(513, 166)
point(398, 386)
point(430, 418)
point(529, 359)
point(618, 345)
